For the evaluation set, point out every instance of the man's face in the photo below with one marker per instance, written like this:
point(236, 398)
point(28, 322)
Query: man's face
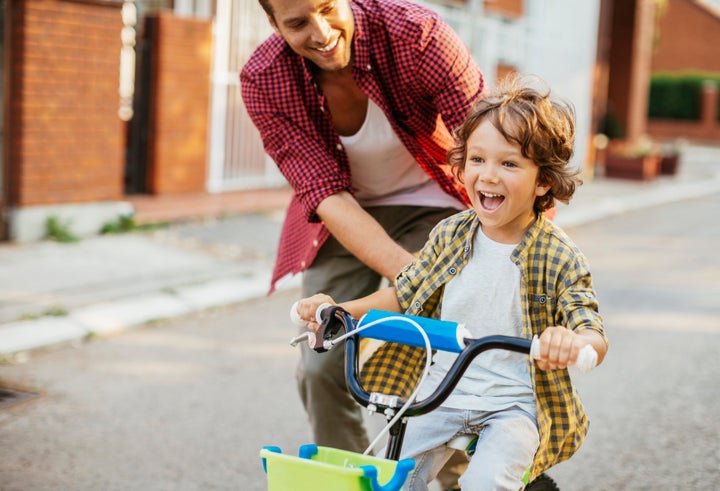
point(319, 30)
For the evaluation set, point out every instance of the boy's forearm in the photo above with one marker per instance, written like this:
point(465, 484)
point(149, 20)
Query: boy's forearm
point(384, 299)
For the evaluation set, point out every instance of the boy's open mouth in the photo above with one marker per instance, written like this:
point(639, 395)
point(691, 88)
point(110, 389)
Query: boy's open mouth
point(491, 201)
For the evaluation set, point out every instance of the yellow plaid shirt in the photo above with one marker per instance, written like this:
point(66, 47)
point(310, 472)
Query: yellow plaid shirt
point(556, 289)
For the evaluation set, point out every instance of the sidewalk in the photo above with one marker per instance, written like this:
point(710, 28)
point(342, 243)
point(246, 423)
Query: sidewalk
point(53, 293)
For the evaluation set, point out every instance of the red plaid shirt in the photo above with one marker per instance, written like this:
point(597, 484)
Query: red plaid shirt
point(408, 61)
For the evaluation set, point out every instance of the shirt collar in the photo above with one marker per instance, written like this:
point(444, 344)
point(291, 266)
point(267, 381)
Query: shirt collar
point(361, 38)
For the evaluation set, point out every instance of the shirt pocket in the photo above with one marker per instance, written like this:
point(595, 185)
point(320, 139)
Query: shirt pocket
point(540, 308)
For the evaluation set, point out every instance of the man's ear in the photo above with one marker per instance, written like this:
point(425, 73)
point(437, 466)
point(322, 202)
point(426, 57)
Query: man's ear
point(273, 24)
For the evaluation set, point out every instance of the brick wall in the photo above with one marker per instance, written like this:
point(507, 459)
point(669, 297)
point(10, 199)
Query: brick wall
point(179, 104)
point(66, 142)
point(688, 38)
point(508, 8)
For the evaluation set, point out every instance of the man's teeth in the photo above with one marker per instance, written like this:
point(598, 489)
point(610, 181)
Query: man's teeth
point(329, 47)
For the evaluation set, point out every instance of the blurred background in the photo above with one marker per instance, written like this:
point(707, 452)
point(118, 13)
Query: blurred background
point(114, 109)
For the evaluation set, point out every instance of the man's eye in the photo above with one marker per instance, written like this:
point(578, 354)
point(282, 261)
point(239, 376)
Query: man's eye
point(328, 9)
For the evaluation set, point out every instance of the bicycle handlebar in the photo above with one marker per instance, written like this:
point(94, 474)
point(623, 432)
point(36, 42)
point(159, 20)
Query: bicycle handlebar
point(393, 327)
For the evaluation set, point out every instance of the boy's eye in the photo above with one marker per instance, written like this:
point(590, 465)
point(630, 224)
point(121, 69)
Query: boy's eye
point(509, 164)
point(476, 160)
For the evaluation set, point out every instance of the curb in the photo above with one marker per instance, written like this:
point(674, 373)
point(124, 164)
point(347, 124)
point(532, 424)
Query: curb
point(613, 206)
point(112, 317)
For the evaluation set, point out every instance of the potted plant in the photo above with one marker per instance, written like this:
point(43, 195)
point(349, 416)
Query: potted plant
point(670, 157)
point(637, 160)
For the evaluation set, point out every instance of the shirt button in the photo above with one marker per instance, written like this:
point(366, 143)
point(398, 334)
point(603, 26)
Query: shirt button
point(322, 109)
point(452, 271)
point(302, 264)
point(368, 67)
point(338, 146)
point(315, 243)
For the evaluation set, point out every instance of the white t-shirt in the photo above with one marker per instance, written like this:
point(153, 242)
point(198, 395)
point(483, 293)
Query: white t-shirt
point(485, 296)
point(384, 172)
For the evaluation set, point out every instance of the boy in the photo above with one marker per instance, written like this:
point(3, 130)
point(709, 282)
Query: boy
point(501, 268)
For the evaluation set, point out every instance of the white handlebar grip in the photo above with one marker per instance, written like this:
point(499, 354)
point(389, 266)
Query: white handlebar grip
point(586, 359)
point(319, 311)
point(295, 317)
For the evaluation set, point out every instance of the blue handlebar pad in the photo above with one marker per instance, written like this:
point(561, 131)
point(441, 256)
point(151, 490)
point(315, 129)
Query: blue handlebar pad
point(398, 328)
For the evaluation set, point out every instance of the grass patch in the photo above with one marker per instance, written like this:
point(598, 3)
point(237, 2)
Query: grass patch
point(59, 231)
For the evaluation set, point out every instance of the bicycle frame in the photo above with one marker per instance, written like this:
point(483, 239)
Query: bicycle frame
point(335, 318)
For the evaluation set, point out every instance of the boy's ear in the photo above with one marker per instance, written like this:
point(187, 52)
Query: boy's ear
point(542, 188)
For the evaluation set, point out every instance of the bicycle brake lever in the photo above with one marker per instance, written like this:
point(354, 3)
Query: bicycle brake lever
point(315, 340)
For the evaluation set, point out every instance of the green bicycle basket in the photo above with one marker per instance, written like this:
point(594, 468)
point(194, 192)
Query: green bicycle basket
point(328, 469)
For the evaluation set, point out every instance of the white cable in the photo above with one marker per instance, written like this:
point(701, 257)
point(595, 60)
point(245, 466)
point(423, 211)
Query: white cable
point(411, 399)
point(328, 344)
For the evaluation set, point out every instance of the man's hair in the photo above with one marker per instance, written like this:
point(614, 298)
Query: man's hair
point(265, 4)
point(543, 126)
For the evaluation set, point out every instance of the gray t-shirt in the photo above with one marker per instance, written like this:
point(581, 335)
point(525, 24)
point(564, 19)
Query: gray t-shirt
point(485, 296)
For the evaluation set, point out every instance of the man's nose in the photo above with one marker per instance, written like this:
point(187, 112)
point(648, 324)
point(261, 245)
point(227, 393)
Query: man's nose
point(321, 30)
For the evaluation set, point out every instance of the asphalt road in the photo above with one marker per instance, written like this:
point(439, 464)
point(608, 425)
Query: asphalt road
point(187, 404)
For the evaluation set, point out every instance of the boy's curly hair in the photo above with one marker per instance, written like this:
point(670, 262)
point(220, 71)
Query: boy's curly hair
point(543, 126)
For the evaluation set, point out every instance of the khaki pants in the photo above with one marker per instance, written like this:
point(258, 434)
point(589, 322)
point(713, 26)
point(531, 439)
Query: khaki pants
point(335, 418)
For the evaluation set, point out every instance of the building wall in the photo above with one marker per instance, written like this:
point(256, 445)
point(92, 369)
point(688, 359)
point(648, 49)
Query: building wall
point(561, 48)
point(513, 9)
point(179, 104)
point(688, 38)
point(66, 142)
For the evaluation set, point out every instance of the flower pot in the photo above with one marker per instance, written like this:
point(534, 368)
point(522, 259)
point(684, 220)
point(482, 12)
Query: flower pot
point(669, 164)
point(644, 168)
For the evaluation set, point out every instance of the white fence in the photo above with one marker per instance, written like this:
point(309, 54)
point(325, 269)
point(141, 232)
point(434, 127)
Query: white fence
point(237, 159)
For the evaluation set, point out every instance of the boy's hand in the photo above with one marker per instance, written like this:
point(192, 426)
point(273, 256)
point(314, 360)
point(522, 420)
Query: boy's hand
point(307, 307)
point(559, 348)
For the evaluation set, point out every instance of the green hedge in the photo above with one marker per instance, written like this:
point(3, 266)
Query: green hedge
point(678, 95)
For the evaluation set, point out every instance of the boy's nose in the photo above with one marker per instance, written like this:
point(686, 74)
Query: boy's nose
point(488, 173)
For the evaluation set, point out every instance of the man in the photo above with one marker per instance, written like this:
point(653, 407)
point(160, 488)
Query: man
point(355, 102)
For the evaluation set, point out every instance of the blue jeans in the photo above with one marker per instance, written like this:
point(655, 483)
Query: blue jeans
point(507, 443)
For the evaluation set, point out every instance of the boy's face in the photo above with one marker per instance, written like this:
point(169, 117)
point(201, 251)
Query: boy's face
point(501, 183)
point(319, 30)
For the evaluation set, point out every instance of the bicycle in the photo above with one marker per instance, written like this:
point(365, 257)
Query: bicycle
point(327, 469)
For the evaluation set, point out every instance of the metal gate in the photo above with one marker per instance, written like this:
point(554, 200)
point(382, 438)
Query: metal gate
point(3, 88)
point(237, 158)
